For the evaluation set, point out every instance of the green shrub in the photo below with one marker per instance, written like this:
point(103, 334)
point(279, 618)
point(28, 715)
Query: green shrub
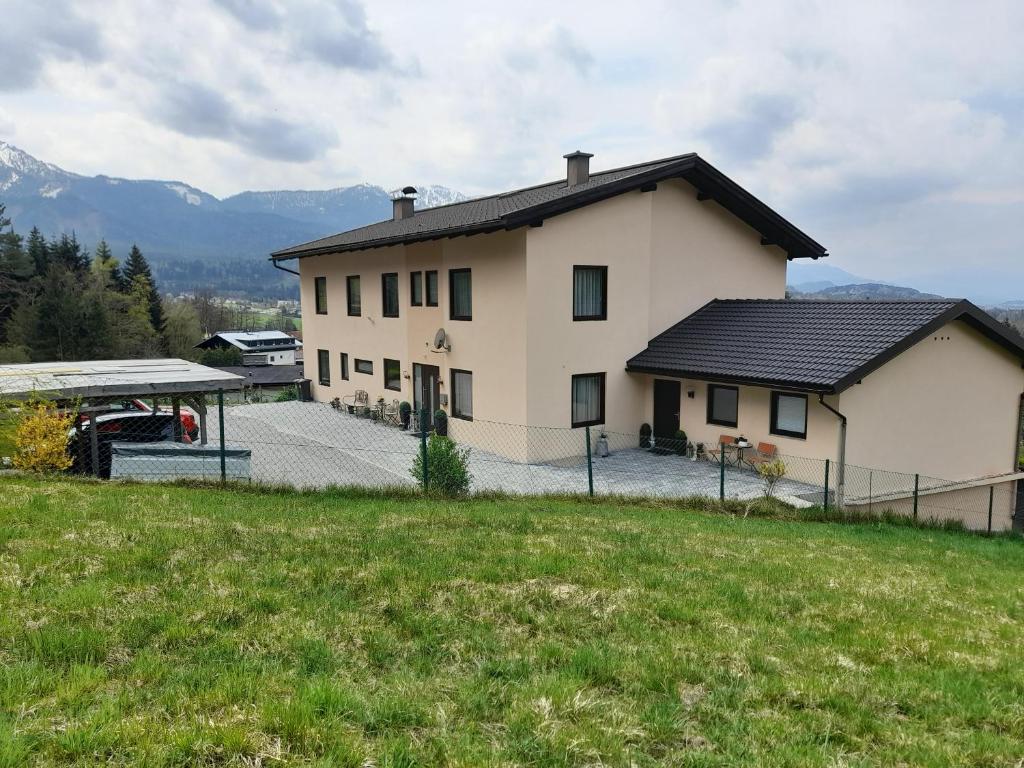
point(448, 467)
point(441, 422)
point(680, 445)
point(286, 394)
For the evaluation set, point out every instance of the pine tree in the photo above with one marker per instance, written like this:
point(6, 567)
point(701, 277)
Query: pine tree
point(15, 271)
point(69, 253)
point(137, 267)
point(38, 251)
point(108, 268)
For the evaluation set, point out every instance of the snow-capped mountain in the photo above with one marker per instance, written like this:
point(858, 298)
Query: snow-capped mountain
point(188, 234)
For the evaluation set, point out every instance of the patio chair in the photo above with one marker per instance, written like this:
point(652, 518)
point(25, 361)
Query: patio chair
point(715, 454)
point(391, 414)
point(360, 399)
point(765, 452)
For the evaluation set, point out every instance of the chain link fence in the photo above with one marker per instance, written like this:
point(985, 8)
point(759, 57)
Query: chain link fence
point(281, 441)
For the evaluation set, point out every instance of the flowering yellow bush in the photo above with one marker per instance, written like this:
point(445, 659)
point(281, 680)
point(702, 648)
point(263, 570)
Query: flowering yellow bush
point(41, 437)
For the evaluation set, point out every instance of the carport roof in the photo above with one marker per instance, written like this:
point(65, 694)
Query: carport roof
point(812, 346)
point(113, 378)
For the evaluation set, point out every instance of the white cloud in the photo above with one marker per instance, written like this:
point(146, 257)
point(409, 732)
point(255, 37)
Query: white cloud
point(860, 122)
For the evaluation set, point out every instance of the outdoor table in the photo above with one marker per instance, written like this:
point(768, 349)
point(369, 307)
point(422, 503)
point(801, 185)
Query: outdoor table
point(737, 450)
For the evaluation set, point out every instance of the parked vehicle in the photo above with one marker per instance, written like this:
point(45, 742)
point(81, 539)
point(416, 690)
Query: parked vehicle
point(189, 425)
point(126, 427)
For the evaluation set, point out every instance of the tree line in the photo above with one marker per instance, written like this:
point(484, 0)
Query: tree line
point(59, 302)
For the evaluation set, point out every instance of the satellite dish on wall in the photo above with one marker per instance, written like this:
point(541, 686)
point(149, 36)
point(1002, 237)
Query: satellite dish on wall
point(441, 342)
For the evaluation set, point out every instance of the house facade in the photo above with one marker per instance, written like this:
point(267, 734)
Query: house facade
point(550, 298)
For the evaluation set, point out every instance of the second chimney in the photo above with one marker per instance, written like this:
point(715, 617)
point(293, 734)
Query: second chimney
point(577, 167)
point(405, 204)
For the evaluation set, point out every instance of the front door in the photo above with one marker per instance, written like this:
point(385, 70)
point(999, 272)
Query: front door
point(666, 412)
point(426, 391)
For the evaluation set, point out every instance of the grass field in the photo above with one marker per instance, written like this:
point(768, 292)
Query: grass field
point(172, 626)
point(7, 425)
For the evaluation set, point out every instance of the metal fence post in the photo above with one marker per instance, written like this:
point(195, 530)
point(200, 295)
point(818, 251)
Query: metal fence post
point(220, 426)
point(590, 465)
point(423, 449)
point(721, 471)
point(991, 493)
point(827, 465)
point(917, 484)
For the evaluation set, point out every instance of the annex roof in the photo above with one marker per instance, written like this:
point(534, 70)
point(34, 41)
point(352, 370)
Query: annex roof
point(522, 207)
point(254, 341)
point(113, 378)
point(813, 346)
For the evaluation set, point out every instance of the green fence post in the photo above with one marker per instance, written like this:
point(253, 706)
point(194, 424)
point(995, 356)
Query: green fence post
point(220, 426)
point(721, 471)
point(991, 493)
point(828, 463)
point(423, 449)
point(590, 466)
point(917, 484)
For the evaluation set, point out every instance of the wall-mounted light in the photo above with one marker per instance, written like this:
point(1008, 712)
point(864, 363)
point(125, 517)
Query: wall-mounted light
point(691, 393)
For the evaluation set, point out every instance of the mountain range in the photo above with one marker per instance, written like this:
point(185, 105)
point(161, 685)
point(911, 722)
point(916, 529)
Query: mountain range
point(190, 237)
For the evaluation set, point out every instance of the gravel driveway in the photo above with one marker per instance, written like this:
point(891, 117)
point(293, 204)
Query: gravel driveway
point(311, 445)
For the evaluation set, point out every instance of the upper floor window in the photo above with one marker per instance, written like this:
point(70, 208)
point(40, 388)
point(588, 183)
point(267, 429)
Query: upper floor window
point(723, 405)
point(355, 304)
point(431, 287)
point(462, 394)
point(789, 415)
point(323, 364)
point(320, 285)
point(416, 289)
point(389, 292)
point(589, 293)
point(392, 374)
point(461, 289)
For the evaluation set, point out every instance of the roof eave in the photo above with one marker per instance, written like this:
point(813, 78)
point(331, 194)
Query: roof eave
point(752, 381)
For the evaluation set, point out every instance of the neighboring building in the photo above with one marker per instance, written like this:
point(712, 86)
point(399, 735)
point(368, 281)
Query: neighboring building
point(269, 378)
point(257, 347)
point(591, 301)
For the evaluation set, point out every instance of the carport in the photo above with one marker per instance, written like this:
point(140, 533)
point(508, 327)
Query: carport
point(95, 383)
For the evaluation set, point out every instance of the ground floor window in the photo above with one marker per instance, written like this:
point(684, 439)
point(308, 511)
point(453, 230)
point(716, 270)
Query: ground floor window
point(344, 366)
point(323, 363)
point(364, 366)
point(587, 399)
point(723, 405)
point(789, 415)
point(462, 394)
point(392, 374)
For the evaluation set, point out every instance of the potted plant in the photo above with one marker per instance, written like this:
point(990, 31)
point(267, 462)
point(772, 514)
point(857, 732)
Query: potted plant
point(681, 442)
point(404, 413)
point(441, 423)
point(645, 435)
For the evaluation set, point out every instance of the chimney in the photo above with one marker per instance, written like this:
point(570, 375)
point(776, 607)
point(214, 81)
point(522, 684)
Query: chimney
point(577, 167)
point(405, 203)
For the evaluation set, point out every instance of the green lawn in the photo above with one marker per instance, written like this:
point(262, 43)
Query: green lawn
point(7, 425)
point(171, 626)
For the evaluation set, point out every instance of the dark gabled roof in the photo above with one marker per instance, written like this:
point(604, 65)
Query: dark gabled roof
point(814, 346)
point(532, 205)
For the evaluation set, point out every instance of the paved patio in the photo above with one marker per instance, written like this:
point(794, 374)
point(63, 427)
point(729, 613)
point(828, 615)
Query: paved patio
point(311, 445)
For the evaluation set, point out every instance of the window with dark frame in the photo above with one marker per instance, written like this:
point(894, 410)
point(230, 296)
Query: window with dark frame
point(323, 364)
point(589, 293)
point(355, 303)
point(392, 374)
point(431, 276)
point(789, 415)
point(416, 289)
point(587, 399)
point(389, 294)
point(344, 366)
point(364, 366)
point(723, 405)
point(462, 394)
point(460, 289)
point(320, 286)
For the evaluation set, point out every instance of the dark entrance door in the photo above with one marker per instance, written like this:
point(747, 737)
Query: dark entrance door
point(666, 412)
point(426, 391)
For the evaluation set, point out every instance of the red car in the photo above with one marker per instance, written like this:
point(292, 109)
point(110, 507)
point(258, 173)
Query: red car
point(189, 426)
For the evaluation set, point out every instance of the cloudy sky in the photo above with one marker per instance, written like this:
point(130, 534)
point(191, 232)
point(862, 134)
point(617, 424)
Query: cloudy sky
point(893, 132)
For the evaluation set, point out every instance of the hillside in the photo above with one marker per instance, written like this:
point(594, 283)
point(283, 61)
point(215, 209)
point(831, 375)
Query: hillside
point(858, 291)
point(152, 625)
point(190, 237)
